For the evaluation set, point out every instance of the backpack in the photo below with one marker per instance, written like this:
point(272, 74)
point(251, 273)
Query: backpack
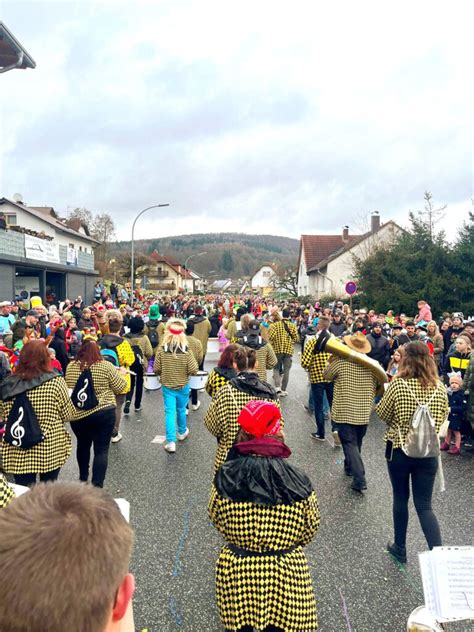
point(22, 429)
point(110, 355)
point(137, 350)
point(153, 335)
point(422, 441)
point(83, 396)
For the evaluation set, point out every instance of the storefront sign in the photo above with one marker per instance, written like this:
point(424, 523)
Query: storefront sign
point(41, 249)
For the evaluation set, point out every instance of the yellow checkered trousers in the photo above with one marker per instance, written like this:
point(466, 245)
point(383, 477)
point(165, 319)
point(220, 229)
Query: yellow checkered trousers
point(221, 419)
point(260, 590)
point(53, 407)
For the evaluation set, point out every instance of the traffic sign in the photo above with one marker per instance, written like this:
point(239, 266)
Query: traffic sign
point(351, 288)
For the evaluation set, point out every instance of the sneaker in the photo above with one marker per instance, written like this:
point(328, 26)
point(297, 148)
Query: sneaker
point(308, 409)
point(454, 450)
point(137, 410)
point(283, 393)
point(318, 437)
point(170, 447)
point(126, 409)
point(117, 438)
point(182, 437)
point(444, 446)
point(196, 406)
point(398, 552)
point(358, 489)
point(337, 441)
point(278, 389)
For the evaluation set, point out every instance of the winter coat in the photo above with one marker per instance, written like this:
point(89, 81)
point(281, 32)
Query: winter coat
point(380, 349)
point(468, 386)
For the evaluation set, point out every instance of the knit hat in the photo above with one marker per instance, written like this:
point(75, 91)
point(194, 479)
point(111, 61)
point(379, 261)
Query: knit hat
point(455, 377)
point(260, 418)
point(154, 312)
point(136, 325)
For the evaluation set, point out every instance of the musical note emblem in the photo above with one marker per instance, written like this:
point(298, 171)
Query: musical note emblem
point(17, 431)
point(82, 395)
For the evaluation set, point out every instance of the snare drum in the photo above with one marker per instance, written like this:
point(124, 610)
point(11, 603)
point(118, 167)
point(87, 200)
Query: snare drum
point(151, 382)
point(198, 381)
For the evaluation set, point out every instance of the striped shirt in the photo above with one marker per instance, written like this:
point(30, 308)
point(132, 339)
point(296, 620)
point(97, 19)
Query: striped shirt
point(107, 381)
point(354, 391)
point(281, 340)
point(196, 348)
point(398, 406)
point(175, 369)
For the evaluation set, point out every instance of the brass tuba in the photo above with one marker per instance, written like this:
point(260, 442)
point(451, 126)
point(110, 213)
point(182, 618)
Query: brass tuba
point(330, 344)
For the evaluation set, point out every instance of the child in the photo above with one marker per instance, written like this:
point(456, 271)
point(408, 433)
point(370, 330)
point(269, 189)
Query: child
point(394, 363)
point(55, 364)
point(221, 335)
point(457, 412)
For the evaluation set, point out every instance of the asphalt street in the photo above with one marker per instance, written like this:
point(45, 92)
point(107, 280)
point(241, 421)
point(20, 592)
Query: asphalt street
point(358, 586)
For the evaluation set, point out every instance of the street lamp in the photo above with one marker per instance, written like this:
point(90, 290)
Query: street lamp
point(197, 254)
point(132, 279)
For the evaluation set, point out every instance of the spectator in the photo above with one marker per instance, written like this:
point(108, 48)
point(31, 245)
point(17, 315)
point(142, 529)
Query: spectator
point(424, 312)
point(380, 351)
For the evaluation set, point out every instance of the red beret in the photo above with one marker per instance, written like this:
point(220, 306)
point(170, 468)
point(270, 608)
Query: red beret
point(260, 418)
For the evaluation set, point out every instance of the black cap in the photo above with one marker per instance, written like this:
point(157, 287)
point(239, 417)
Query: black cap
point(254, 325)
point(32, 312)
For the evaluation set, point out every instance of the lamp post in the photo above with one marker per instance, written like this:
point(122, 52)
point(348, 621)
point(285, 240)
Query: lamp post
point(132, 275)
point(197, 254)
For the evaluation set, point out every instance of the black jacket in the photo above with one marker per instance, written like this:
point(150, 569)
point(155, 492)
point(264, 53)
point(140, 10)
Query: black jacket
point(380, 349)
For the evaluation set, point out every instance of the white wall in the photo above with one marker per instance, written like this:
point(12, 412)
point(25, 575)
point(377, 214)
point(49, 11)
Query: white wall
point(260, 279)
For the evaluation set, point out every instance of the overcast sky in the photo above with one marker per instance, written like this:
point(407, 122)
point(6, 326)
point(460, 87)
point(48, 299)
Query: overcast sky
point(260, 117)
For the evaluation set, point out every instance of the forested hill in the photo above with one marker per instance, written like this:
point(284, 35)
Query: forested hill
point(227, 254)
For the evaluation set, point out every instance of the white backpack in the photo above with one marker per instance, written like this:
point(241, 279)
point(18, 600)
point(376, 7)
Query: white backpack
point(421, 441)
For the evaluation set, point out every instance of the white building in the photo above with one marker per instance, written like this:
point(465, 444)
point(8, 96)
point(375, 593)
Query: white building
point(326, 262)
point(261, 279)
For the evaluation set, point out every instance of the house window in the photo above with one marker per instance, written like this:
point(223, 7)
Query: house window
point(80, 248)
point(10, 219)
point(71, 246)
point(266, 273)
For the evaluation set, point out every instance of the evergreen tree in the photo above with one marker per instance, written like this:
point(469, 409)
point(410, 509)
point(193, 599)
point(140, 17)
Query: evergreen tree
point(227, 262)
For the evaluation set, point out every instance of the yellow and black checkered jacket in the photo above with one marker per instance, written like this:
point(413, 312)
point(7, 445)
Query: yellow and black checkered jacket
point(258, 589)
point(398, 406)
point(6, 492)
point(53, 408)
point(175, 369)
point(107, 381)
point(314, 363)
point(354, 391)
point(217, 379)
point(221, 418)
point(281, 341)
point(196, 347)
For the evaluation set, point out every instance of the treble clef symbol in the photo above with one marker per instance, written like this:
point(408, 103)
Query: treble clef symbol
point(17, 431)
point(82, 395)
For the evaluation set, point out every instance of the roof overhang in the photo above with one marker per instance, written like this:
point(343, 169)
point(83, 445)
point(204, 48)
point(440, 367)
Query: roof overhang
point(12, 53)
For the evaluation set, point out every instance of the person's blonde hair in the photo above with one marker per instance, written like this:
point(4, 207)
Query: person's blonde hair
point(432, 322)
point(175, 342)
point(113, 314)
point(64, 551)
point(245, 321)
point(417, 363)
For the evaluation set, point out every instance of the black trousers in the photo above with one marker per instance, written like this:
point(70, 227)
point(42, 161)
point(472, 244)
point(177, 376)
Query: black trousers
point(136, 386)
point(27, 480)
point(351, 436)
point(422, 473)
point(94, 430)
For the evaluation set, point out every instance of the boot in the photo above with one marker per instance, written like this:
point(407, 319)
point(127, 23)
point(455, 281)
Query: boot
point(398, 552)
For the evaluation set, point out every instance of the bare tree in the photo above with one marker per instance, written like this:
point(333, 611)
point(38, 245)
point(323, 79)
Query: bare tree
point(432, 215)
point(84, 215)
point(286, 279)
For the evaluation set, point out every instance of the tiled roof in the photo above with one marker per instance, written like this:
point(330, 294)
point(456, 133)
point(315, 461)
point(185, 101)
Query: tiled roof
point(172, 263)
point(316, 248)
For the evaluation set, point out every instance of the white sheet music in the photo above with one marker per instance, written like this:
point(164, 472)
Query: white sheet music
point(448, 582)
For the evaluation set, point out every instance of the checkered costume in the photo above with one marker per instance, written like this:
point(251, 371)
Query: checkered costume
point(202, 330)
point(398, 405)
point(281, 341)
point(266, 358)
point(6, 492)
point(215, 381)
point(174, 369)
point(314, 363)
point(261, 590)
point(354, 391)
point(107, 381)
point(53, 408)
point(221, 418)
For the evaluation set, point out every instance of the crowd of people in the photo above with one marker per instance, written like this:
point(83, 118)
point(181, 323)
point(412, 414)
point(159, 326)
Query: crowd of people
point(86, 364)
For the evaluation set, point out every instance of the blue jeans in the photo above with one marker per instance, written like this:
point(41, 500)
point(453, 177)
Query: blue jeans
point(326, 407)
point(175, 400)
point(318, 391)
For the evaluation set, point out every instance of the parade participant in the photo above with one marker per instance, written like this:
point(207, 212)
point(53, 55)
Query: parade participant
point(354, 391)
point(35, 404)
point(283, 335)
point(154, 328)
point(143, 351)
point(196, 347)
point(315, 362)
point(266, 510)
point(457, 412)
point(94, 419)
point(125, 358)
point(417, 381)
point(266, 358)
point(7, 493)
point(202, 330)
point(175, 363)
point(221, 416)
point(69, 569)
point(222, 335)
point(233, 325)
point(224, 371)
